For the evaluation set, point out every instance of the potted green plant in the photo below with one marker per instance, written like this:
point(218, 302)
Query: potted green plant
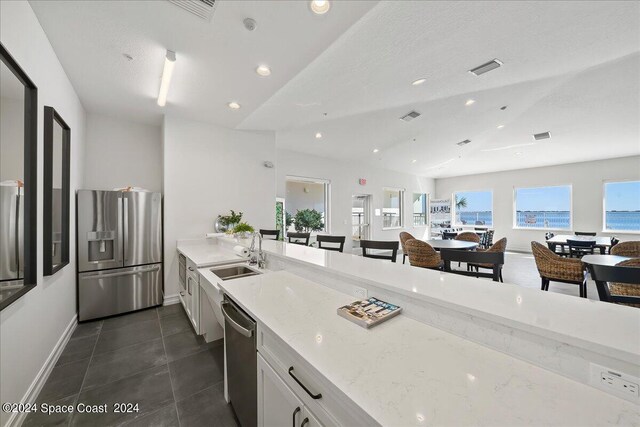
point(308, 220)
point(226, 223)
point(243, 230)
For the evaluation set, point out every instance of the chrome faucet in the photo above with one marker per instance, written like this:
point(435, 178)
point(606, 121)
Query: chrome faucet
point(257, 258)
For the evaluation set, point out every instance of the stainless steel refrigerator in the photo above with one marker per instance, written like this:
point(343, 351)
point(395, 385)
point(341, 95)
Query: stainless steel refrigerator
point(119, 252)
point(11, 234)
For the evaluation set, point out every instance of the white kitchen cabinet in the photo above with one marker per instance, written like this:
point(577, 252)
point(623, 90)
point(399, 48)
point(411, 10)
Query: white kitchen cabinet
point(192, 296)
point(278, 405)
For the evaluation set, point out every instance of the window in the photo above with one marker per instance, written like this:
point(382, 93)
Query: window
point(392, 210)
point(622, 206)
point(473, 208)
point(543, 207)
point(307, 204)
point(419, 209)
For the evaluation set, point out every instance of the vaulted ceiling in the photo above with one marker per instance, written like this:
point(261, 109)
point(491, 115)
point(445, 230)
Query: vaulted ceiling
point(571, 68)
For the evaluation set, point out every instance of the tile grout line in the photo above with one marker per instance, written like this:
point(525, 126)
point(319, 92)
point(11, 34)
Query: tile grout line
point(173, 393)
point(84, 378)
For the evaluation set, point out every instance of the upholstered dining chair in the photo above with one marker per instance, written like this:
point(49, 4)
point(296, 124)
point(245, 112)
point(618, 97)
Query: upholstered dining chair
point(468, 236)
point(553, 267)
point(405, 237)
point(421, 254)
point(630, 249)
point(499, 246)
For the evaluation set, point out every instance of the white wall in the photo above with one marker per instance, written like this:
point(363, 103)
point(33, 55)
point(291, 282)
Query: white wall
point(31, 326)
point(209, 170)
point(344, 183)
point(120, 153)
point(586, 178)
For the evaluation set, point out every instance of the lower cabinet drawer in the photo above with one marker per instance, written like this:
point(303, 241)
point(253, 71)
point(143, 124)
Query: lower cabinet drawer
point(328, 404)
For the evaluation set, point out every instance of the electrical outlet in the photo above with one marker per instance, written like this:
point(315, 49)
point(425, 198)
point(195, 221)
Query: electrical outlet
point(615, 382)
point(359, 292)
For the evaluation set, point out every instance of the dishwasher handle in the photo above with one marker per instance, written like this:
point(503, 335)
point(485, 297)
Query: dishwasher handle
point(235, 325)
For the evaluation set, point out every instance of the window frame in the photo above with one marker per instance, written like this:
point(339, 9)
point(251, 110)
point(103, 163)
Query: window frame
point(604, 206)
point(327, 198)
point(426, 212)
point(514, 212)
point(454, 222)
point(401, 208)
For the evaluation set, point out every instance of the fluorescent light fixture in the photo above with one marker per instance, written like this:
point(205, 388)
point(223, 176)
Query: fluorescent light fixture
point(318, 135)
point(233, 105)
point(418, 82)
point(508, 147)
point(169, 63)
point(485, 68)
point(320, 7)
point(375, 150)
point(470, 102)
point(263, 70)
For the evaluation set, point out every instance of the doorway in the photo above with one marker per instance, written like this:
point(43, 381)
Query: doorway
point(360, 218)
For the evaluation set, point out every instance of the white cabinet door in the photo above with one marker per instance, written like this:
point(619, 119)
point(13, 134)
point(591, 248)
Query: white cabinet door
point(278, 406)
point(309, 420)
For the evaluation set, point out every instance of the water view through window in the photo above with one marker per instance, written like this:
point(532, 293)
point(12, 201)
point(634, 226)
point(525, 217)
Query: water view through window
point(474, 208)
point(543, 207)
point(622, 206)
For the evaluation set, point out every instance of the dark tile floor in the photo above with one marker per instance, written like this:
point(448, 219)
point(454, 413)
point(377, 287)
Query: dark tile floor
point(151, 358)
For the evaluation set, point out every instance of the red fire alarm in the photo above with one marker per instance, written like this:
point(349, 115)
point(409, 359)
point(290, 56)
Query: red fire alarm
point(362, 181)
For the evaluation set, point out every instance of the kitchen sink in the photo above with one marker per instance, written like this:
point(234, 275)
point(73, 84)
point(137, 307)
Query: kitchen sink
point(234, 272)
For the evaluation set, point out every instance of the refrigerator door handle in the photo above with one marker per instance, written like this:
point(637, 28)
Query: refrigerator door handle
point(125, 228)
point(119, 245)
point(122, 273)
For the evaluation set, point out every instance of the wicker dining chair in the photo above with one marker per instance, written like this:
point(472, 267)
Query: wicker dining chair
point(404, 238)
point(618, 284)
point(627, 289)
point(553, 267)
point(499, 246)
point(421, 254)
point(468, 236)
point(630, 249)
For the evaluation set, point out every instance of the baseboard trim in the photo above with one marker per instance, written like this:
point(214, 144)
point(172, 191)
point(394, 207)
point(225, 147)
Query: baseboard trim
point(171, 299)
point(17, 418)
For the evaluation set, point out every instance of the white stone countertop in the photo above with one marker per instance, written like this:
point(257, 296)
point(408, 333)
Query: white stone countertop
point(403, 372)
point(609, 329)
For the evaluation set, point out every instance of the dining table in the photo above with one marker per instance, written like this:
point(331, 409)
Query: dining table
point(607, 260)
point(602, 242)
point(463, 245)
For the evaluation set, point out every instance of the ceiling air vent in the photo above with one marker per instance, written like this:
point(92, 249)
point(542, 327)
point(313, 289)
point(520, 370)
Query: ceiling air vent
point(201, 8)
point(465, 142)
point(543, 135)
point(485, 68)
point(410, 116)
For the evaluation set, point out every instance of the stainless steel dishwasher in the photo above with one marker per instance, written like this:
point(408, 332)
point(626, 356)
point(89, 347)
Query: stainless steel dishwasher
point(242, 371)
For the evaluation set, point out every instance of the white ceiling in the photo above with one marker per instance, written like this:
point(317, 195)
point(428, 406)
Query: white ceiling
point(572, 68)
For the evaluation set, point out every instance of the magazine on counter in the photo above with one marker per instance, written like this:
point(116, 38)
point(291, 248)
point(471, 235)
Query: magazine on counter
point(369, 312)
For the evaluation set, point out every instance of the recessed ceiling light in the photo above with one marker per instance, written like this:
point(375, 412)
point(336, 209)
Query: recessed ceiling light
point(233, 105)
point(320, 7)
point(418, 82)
point(375, 150)
point(263, 70)
point(318, 135)
point(500, 126)
point(413, 161)
point(469, 102)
